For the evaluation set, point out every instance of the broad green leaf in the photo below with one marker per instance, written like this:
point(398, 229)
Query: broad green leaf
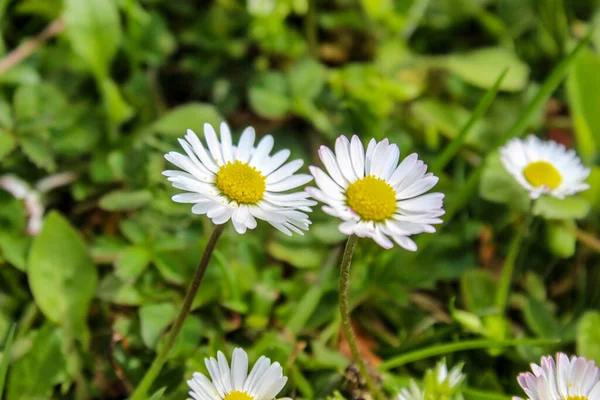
point(301, 257)
point(588, 335)
point(154, 318)
point(34, 375)
point(482, 67)
point(478, 290)
point(306, 79)
point(188, 116)
point(113, 290)
point(62, 275)
point(7, 143)
point(94, 30)
point(561, 241)
point(498, 186)
point(6, 353)
point(582, 87)
point(39, 152)
point(131, 263)
point(268, 95)
point(540, 319)
point(120, 200)
point(572, 207)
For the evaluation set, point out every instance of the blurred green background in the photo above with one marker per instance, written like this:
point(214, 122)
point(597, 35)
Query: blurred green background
point(94, 92)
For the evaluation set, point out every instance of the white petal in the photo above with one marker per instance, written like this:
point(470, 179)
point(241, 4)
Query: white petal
point(342, 153)
point(357, 155)
point(213, 144)
point(331, 165)
point(199, 149)
point(264, 147)
point(226, 145)
point(290, 183)
point(272, 163)
point(246, 144)
point(285, 171)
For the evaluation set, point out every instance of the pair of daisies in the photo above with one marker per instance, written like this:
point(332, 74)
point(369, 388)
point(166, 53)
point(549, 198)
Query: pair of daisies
point(566, 379)
point(369, 190)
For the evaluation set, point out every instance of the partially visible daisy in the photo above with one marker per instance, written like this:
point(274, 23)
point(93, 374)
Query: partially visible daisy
point(414, 392)
point(264, 382)
point(373, 195)
point(544, 167)
point(242, 183)
point(567, 379)
point(439, 384)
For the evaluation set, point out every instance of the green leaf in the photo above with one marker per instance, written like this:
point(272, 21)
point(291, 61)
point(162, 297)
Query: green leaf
point(158, 395)
point(482, 67)
point(38, 152)
point(121, 200)
point(116, 107)
point(561, 241)
point(498, 186)
point(113, 290)
point(572, 207)
point(94, 30)
point(588, 335)
point(34, 375)
point(154, 318)
point(7, 143)
point(540, 319)
point(268, 95)
point(478, 290)
point(582, 89)
point(187, 116)
point(61, 274)
point(131, 263)
point(6, 357)
point(592, 195)
point(306, 79)
point(298, 256)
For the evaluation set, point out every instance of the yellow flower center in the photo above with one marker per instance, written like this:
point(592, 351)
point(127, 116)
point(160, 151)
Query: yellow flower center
point(241, 182)
point(237, 395)
point(577, 398)
point(372, 198)
point(542, 173)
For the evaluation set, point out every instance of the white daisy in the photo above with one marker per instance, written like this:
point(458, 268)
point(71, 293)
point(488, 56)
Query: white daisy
point(567, 379)
point(373, 195)
point(242, 182)
point(264, 382)
point(544, 167)
point(413, 393)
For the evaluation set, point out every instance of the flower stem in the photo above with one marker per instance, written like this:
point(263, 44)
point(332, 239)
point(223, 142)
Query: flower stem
point(509, 267)
point(141, 391)
point(345, 313)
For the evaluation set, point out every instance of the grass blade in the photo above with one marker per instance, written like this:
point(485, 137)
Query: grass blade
point(482, 107)
point(447, 348)
point(6, 357)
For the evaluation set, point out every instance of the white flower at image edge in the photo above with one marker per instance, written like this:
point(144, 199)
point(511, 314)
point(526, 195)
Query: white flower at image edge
point(567, 379)
point(264, 382)
point(544, 167)
point(413, 393)
point(242, 183)
point(375, 196)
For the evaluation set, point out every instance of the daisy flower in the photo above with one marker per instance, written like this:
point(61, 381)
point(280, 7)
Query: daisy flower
point(439, 384)
point(264, 382)
point(373, 195)
point(544, 167)
point(242, 183)
point(567, 379)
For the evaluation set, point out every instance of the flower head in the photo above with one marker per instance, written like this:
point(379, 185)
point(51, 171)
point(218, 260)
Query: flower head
point(242, 183)
point(544, 167)
point(567, 379)
point(440, 384)
point(264, 382)
point(375, 196)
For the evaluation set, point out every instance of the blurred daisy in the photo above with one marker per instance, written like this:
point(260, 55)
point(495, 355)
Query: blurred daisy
point(373, 195)
point(264, 382)
point(242, 183)
point(567, 379)
point(413, 393)
point(439, 384)
point(544, 167)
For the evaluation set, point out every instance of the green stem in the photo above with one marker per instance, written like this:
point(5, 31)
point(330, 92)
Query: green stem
point(447, 348)
point(141, 391)
point(345, 313)
point(509, 267)
point(310, 27)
